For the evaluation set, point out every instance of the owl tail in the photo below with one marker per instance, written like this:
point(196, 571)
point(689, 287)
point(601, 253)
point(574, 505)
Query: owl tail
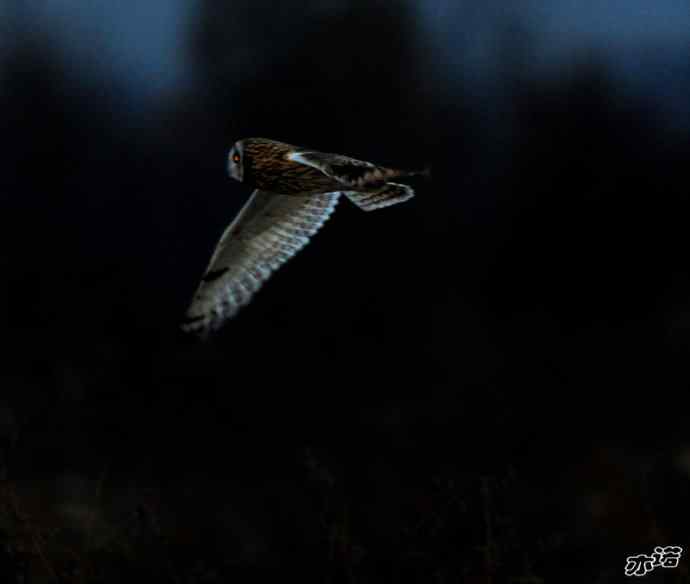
point(389, 194)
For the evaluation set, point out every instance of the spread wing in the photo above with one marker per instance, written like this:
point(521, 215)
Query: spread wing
point(266, 233)
point(348, 171)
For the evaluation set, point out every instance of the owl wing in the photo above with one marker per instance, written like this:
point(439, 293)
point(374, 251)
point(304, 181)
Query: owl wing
point(266, 233)
point(348, 171)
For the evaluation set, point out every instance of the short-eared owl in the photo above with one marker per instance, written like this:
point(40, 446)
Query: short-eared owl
point(296, 190)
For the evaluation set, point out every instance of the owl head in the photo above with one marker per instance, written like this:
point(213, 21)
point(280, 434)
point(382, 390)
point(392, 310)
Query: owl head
point(236, 161)
point(259, 162)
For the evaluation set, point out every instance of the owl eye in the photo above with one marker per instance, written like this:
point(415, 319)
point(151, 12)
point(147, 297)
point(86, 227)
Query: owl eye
point(235, 157)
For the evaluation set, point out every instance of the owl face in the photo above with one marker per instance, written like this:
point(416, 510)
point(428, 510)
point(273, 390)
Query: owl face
point(236, 161)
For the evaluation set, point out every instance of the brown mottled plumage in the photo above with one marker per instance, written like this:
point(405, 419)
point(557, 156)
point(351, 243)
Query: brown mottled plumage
point(296, 191)
point(268, 166)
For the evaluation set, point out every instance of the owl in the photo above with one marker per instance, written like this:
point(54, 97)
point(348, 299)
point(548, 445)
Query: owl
point(295, 191)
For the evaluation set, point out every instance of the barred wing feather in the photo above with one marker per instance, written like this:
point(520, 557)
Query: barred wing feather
point(267, 232)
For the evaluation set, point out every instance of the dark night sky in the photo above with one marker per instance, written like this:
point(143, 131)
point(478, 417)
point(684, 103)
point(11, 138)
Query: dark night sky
point(525, 318)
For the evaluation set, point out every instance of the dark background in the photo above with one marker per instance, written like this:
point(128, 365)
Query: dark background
point(487, 384)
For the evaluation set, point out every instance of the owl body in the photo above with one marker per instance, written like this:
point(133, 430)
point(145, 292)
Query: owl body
point(296, 190)
point(266, 166)
point(295, 179)
point(287, 169)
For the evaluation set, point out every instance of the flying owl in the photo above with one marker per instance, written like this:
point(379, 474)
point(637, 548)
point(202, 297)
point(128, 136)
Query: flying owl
point(296, 190)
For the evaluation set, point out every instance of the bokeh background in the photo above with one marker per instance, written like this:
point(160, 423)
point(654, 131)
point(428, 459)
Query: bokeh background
point(487, 384)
